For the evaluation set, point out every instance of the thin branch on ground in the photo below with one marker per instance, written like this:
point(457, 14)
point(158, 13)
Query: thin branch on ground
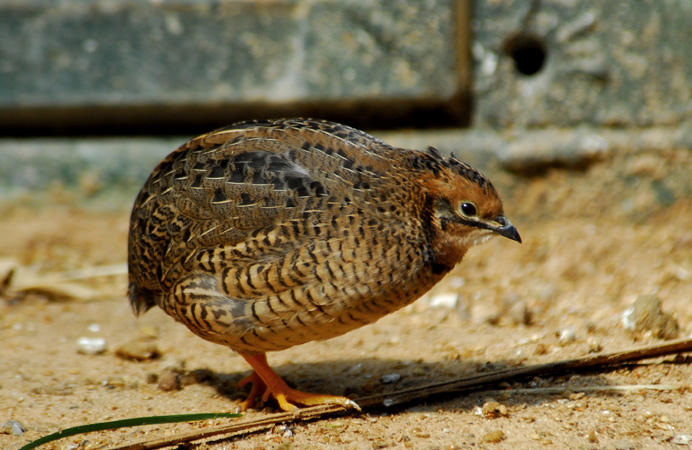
point(601, 362)
point(619, 388)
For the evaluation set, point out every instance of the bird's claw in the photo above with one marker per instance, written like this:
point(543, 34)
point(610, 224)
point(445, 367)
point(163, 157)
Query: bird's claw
point(287, 397)
point(351, 404)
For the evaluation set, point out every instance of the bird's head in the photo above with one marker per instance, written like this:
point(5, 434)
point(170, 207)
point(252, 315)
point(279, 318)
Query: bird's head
point(464, 207)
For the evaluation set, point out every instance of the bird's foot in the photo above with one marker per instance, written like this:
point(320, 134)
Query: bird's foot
point(286, 397)
point(258, 388)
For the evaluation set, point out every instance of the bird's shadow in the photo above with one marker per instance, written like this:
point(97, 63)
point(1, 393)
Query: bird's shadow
point(363, 377)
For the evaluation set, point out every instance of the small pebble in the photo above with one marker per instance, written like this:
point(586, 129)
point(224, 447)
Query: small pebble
point(682, 439)
point(567, 336)
point(140, 349)
point(645, 315)
point(115, 382)
point(94, 327)
point(492, 409)
point(494, 436)
point(91, 346)
point(390, 378)
point(594, 345)
point(169, 380)
point(592, 437)
point(284, 431)
point(445, 300)
point(541, 349)
point(12, 427)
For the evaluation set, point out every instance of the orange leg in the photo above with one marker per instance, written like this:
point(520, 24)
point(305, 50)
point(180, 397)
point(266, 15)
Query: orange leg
point(258, 388)
point(265, 381)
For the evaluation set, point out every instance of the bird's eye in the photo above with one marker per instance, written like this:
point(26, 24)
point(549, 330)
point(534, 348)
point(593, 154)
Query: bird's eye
point(469, 209)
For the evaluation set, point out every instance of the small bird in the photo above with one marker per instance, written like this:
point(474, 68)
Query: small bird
point(268, 234)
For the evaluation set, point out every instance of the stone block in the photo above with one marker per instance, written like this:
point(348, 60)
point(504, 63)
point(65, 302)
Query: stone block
point(186, 61)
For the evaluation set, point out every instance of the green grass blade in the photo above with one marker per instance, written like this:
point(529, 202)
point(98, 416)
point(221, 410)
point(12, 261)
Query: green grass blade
point(133, 422)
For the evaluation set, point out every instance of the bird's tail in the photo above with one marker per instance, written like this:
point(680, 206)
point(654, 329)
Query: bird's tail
point(141, 299)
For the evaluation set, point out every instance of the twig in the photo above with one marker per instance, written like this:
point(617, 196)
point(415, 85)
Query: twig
point(623, 388)
point(554, 368)
point(405, 396)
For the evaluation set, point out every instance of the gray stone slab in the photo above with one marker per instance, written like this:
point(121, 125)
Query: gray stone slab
point(87, 167)
point(67, 61)
point(607, 63)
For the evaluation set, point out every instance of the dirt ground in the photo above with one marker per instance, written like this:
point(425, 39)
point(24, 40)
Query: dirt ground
point(561, 294)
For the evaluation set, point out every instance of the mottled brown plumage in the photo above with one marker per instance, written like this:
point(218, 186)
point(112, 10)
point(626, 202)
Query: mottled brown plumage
point(265, 235)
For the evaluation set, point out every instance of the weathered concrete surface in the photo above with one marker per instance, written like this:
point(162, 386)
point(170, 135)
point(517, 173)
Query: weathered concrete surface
point(76, 62)
point(88, 166)
point(607, 63)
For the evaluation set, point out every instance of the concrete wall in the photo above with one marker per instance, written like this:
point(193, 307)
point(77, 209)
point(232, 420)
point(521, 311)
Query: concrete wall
point(585, 62)
point(108, 64)
point(525, 85)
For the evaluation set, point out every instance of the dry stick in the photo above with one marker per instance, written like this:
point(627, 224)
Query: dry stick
point(553, 390)
point(419, 393)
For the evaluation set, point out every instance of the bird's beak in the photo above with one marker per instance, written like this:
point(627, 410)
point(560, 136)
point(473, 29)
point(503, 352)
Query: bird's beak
point(506, 229)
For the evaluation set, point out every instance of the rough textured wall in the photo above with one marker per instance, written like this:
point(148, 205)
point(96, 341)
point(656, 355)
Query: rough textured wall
point(112, 57)
point(606, 63)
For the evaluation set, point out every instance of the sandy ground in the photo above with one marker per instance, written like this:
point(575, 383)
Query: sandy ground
point(561, 294)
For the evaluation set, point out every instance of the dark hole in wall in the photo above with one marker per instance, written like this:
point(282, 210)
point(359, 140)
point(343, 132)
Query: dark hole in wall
point(528, 51)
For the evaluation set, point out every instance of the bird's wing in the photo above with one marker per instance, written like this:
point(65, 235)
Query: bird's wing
point(223, 188)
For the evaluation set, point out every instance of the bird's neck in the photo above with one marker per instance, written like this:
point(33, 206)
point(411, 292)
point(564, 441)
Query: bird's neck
point(447, 252)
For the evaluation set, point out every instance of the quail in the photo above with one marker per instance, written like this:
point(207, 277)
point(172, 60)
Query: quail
point(268, 234)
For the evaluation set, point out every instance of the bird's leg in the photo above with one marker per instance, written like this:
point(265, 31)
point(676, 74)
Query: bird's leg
point(258, 387)
point(265, 380)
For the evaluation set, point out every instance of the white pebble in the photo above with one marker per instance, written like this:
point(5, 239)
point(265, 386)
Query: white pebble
point(628, 319)
point(285, 431)
point(12, 427)
point(682, 439)
point(94, 327)
point(446, 300)
point(568, 335)
point(91, 346)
